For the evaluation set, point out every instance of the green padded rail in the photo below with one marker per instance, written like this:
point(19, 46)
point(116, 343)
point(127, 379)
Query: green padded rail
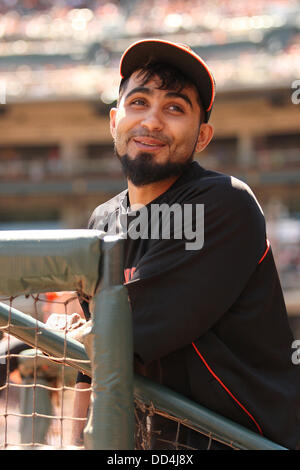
point(111, 346)
point(145, 391)
point(198, 417)
point(35, 261)
point(62, 260)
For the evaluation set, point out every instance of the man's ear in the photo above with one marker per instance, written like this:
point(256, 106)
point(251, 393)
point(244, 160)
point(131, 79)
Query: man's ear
point(112, 116)
point(206, 133)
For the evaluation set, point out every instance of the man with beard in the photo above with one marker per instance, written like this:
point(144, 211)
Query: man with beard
point(209, 321)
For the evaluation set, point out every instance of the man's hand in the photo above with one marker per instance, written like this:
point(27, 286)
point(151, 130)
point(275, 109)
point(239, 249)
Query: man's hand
point(73, 324)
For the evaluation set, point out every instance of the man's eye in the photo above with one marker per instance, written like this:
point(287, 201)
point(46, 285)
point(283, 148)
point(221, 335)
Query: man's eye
point(176, 108)
point(138, 102)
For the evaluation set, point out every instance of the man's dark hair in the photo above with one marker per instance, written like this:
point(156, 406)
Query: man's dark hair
point(171, 79)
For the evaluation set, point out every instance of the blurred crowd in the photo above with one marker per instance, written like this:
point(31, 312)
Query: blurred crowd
point(283, 231)
point(35, 17)
point(218, 20)
point(58, 47)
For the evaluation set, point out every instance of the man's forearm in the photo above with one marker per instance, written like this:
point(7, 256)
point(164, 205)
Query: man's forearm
point(80, 410)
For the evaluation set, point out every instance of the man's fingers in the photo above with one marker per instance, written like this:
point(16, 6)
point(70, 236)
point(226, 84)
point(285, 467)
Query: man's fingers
point(74, 321)
point(58, 321)
point(80, 332)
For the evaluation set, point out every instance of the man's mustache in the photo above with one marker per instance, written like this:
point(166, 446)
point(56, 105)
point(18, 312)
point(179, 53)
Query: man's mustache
point(153, 135)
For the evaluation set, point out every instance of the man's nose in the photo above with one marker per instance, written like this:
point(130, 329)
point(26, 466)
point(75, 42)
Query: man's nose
point(152, 120)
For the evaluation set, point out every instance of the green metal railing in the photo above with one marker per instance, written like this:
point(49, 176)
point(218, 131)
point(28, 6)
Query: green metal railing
point(144, 390)
point(69, 260)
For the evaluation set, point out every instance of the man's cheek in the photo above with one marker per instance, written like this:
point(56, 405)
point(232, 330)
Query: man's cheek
point(121, 144)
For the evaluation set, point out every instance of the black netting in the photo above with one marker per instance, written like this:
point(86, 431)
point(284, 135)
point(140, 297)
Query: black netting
point(37, 390)
point(156, 430)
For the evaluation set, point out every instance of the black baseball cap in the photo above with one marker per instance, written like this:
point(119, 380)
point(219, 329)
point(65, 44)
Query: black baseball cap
point(177, 55)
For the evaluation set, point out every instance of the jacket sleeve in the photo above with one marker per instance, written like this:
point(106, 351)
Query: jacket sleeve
point(176, 294)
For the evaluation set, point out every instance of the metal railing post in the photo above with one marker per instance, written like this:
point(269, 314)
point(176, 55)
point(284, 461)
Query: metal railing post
point(111, 423)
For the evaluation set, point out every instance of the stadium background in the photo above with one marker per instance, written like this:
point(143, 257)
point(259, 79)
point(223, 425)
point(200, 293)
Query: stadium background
point(59, 77)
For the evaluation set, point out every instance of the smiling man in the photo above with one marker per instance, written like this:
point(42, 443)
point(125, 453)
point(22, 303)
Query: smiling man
point(157, 131)
point(210, 322)
point(158, 125)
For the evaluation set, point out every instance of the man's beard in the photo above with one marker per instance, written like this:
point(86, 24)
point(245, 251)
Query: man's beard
point(143, 170)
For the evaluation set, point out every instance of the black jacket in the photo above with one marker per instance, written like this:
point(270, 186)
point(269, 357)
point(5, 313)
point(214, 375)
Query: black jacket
point(211, 323)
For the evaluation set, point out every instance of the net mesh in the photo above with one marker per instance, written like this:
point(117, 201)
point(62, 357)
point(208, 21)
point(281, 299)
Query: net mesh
point(157, 430)
point(36, 390)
